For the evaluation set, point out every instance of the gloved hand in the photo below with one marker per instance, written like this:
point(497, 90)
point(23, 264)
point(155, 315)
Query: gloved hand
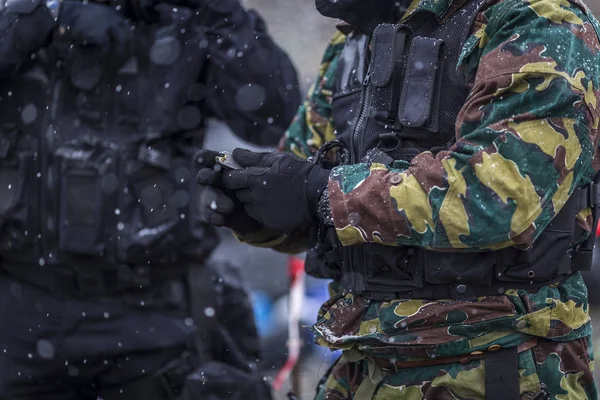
point(98, 25)
point(279, 190)
point(220, 206)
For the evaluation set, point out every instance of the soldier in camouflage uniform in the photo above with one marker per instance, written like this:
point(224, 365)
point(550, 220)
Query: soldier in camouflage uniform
point(456, 217)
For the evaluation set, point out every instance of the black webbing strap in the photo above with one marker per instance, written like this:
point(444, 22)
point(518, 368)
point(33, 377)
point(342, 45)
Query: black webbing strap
point(502, 374)
point(587, 197)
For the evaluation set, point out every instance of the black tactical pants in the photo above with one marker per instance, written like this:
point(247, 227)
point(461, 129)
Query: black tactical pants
point(64, 348)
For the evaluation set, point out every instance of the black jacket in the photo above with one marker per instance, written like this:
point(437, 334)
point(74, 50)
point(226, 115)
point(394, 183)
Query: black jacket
point(96, 152)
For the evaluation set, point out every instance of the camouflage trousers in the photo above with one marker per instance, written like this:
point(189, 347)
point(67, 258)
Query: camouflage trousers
point(550, 370)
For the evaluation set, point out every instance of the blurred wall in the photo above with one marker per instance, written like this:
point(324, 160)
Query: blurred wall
point(300, 30)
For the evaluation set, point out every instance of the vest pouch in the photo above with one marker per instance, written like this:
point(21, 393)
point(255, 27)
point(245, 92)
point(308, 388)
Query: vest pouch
point(545, 260)
point(87, 180)
point(154, 208)
point(18, 192)
point(323, 260)
point(391, 268)
point(446, 267)
point(419, 104)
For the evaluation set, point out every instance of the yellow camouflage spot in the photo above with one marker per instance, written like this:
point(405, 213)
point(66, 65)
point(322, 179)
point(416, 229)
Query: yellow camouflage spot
point(570, 383)
point(408, 308)
point(389, 392)
point(538, 322)
point(483, 37)
point(542, 134)
point(518, 84)
point(529, 383)
point(584, 214)
point(411, 9)
point(370, 327)
point(350, 235)
point(297, 151)
point(551, 73)
point(324, 343)
point(552, 10)
point(562, 194)
point(411, 198)
point(453, 214)
point(503, 177)
point(378, 167)
point(338, 38)
point(569, 314)
point(488, 338)
point(466, 385)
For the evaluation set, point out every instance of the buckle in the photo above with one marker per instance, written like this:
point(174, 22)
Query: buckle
point(90, 283)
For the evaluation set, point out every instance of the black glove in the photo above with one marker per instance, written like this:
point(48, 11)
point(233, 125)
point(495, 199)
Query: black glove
point(97, 25)
point(220, 206)
point(279, 190)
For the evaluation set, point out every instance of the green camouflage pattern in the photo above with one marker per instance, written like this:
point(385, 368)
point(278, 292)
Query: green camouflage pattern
point(525, 142)
point(312, 126)
point(408, 330)
point(565, 369)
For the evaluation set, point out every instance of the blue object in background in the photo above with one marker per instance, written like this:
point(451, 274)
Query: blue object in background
point(263, 307)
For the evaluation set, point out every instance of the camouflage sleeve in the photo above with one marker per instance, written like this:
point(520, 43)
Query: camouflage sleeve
point(312, 125)
point(527, 135)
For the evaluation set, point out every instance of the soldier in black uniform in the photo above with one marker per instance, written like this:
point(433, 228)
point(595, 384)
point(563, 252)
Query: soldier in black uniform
point(103, 107)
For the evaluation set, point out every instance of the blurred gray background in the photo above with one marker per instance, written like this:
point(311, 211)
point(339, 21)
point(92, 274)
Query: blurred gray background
point(303, 33)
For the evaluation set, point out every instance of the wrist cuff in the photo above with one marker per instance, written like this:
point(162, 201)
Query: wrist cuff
point(317, 182)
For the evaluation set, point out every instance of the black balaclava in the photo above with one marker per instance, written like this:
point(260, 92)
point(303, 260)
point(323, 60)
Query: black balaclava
point(363, 15)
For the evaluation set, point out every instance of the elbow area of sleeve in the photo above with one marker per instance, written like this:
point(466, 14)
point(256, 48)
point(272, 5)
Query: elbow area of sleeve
point(509, 196)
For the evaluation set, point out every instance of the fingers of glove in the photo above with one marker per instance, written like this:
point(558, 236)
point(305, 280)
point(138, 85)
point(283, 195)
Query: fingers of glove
point(236, 179)
point(245, 196)
point(241, 178)
point(218, 202)
point(206, 157)
point(209, 177)
point(250, 211)
point(247, 158)
point(213, 218)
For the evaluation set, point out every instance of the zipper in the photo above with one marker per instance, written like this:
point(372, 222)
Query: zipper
point(361, 123)
point(356, 141)
point(47, 143)
point(365, 97)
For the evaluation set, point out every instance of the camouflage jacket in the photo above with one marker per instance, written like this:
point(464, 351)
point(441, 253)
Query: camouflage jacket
point(527, 133)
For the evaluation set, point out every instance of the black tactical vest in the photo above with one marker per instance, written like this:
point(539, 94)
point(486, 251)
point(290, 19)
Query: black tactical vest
point(398, 94)
point(96, 154)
